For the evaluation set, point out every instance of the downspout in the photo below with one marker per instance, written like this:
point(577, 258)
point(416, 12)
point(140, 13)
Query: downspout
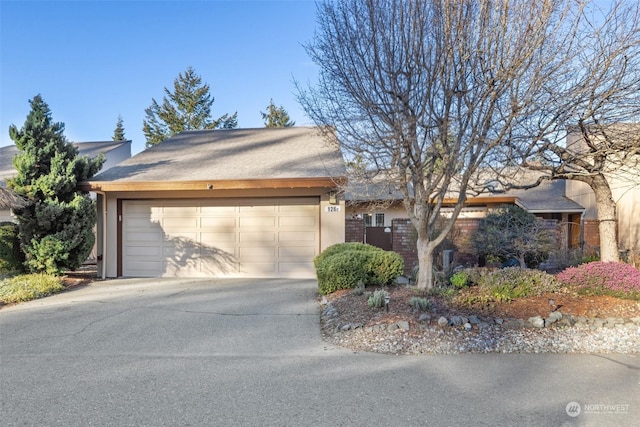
point(104, 239)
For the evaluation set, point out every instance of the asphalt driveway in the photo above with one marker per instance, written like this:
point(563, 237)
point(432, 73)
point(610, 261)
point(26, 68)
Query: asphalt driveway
point(248, 352)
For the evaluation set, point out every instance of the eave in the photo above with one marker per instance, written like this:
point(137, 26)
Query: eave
point(242, 184)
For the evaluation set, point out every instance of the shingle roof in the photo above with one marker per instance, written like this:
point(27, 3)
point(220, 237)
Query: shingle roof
point(232, 154)
point(91, 149)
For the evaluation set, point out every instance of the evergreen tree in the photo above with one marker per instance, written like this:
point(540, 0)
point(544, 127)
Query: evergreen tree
point(188, 107)
point(276, 117)
point(118, 133)
point(56, 227)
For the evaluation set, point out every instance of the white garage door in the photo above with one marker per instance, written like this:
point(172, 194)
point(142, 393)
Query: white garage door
point(220, 237)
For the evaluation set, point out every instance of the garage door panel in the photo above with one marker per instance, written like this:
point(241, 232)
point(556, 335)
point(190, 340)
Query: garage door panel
point(297, 221)
point(296, 252)
point(257, 236)
point(257, 221)
point(168, 223)
point(258, 253)
point(211, 237)
point(218, 222)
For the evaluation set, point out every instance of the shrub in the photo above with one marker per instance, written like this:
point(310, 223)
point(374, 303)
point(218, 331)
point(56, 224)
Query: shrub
point(460, 279)
point(29, 286)
point(510, 283)
point(342, 247)
point(377, 298)
point(11, 256)
point(610, 278)
point(421, 304)
point(349, 263)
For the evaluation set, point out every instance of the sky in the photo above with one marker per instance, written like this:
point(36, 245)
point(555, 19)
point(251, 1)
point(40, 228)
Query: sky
point(92, 61)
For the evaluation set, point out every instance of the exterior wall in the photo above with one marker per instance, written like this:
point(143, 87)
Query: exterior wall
point(332, 219)
point(404, 243)
point(117, 155)
point(354, 230)
point(626, 193)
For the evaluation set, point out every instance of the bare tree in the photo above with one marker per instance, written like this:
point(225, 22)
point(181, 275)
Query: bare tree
point(424, 92)
point(594, 101)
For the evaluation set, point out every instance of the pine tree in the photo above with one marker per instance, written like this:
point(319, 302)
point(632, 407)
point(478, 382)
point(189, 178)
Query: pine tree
point(188, 107)
point(56, 227)
point(118, 133)
point(276, 117)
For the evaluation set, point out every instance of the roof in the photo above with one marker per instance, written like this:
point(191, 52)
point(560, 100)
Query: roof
point(229, 158)
point(547, 197)
point(90, 149)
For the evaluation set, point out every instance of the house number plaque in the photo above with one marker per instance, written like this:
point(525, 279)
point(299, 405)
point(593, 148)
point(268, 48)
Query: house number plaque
point(332, 208)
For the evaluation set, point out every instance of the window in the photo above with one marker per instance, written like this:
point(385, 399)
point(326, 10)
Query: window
point(374, 220)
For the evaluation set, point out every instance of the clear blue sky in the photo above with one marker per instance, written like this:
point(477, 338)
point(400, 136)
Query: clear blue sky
point(94, 60)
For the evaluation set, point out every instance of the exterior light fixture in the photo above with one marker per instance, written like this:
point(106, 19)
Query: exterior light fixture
point(387, 299)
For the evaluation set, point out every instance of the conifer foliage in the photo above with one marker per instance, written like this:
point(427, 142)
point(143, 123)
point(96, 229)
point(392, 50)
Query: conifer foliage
point(56, 227)
point(188, 107)
point(118, 132)
point(276, 117)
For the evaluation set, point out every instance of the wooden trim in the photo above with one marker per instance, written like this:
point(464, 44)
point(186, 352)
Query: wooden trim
point(119, 238)
point(244, 184)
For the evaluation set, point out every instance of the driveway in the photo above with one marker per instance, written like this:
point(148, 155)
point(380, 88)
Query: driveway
point(170, 352)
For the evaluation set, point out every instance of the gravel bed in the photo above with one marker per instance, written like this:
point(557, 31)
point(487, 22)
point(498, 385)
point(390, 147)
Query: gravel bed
point(430, 339)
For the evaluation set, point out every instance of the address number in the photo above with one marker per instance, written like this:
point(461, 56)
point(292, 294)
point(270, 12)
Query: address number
point(332, 208)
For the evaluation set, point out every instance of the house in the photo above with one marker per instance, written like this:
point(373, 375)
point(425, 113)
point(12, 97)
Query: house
point(114, 151)
point(625, 189)
point(375, 214)
point(232, 202)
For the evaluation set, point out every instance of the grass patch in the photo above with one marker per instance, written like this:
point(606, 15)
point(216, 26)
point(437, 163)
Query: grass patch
point(26, 287)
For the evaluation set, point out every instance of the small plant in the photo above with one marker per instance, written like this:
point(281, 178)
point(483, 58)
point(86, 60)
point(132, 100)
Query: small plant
point(460, 279)
point(376, 300)
point(29, 286)
point(603, 278)
point(359, 289)
point(421, 304)
point(510, 283)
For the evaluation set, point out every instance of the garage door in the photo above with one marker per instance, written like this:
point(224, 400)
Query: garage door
point(220, 237)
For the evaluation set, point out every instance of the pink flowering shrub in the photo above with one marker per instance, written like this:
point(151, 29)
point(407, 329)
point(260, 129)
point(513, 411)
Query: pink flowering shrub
point(610, 278)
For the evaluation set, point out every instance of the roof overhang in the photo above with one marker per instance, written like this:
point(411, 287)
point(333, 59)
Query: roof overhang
point(242, 184)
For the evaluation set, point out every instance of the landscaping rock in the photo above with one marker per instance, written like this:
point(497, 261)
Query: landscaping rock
point(474, 320)
point(403, 324)
point(467, 326)
point(424, 317)
point(536, 322)
point(554, 316)
point(456, 321)
point(443, 321)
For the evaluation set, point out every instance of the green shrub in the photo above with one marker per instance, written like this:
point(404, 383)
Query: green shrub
point(11, 256)
point(421, 304)
point(384, 267)
point(510, 283)
point(349, 263)
point(343, 247)
point(460, 279)
point(29, 286)
point(377, 298)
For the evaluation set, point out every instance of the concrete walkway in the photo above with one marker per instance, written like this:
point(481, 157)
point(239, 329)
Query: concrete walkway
point(177, 352)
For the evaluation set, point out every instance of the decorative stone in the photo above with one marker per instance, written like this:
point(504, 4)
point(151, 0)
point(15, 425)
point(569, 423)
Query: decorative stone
point(456, 320)
point(474, 320)
point(403, 324)
point(424, 317)
point(401, 280)
point(443, 321)
point(554, 316)
point(467, 326)
point(536, 322)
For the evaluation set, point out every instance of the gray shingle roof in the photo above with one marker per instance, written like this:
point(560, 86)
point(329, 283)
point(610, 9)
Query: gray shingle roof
point(232, 154)
point(91, 149)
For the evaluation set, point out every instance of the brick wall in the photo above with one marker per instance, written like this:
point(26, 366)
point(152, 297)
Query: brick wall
point(354, 230)
point(591, 235)
point(404, 243)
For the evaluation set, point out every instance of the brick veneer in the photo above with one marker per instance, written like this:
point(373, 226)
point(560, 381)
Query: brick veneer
point(404, 243)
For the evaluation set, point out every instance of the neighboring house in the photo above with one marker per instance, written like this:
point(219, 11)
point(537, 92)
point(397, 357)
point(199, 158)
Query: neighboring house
point(379, 218)
point(114, 151)
point(625, 189)
point(235, 203)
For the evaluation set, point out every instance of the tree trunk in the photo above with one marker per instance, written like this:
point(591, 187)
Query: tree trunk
point(425, 264)
point(607, 220)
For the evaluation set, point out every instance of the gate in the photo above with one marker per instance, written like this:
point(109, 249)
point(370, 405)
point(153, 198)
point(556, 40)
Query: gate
point(377, 236)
